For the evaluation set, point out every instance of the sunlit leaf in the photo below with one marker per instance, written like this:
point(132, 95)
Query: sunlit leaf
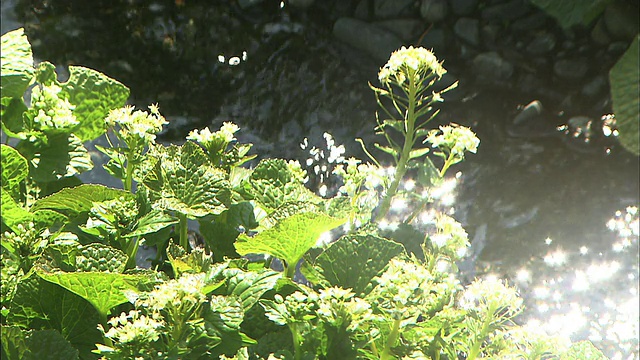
point(49, 345)
point(624, 78)
point(17, 64)
point(73, 201)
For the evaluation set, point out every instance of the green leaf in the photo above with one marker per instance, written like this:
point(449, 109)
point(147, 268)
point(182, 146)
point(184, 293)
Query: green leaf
point(387, 149)
point(250, 286)
point(571, 12)
point(14, 167)
point(195, 262)
point(290, 238)
point(13, 343)
point(12, 213)
point(184, 181)
point(99, 257)
point(72, 201)
point(221, 232)
point(272, 185)
point(11, 116)
point(152, 222)
point(624, 78)
point(49, 345)
point(62, 156)
point(353, 260)
point(38, 304)
point(418, 153)
point(103, 290)
point(583, 350)
point(94, 95)
point(17, 64)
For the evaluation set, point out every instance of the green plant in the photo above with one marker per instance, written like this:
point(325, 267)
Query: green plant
point(71, 288)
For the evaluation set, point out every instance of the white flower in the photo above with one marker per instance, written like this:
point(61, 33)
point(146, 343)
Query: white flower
point(454, 138)
point(53, 112)
point(134, 328)
point(138, 125)
point(410, 62)
point(491, 294)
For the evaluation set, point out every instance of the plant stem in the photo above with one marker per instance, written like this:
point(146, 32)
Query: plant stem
point(479, 339)
point(132, 250)
point(184, 239)
point(391, 340)
point(401, 167)
point(129, 179)
point(297, 352)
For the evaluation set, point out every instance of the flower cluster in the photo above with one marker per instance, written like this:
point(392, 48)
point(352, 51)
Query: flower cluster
point(183, 293)
point(454, 139)
point(53, 112)
point(407, 289)
point(134, 328)
point(216, 141)
point(410, 62)
point(450, 238)
point(361, 183)
point(339, 306)
point(136, 126)
point(491, 296)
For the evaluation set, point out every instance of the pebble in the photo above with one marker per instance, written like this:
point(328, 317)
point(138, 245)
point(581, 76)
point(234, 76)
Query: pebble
point(508, 11)
point(468, 30)
point(435, 39)
point(492, 67)
point(406, 29)
point(570, 69)
point(542, 43)
point(384, 9)
point(463, 7)
point(434, 10)
point(373, 40)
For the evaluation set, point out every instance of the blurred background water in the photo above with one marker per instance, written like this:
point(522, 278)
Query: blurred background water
point(550, 201)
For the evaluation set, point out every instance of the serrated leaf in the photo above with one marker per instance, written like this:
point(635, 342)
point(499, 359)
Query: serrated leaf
point(221, 231)
point(583, 350)
point(14, 167)
point(624, 78)
point(99, 257)
point(353, 260)
point(13, 343)
point(49, 345)
point(250, 286)
point(195, 262)
point(103, 290)
point(33, 307)
point(12, 213)
point(226, 313)
point(64, 155)
point(290, 238)
point(184, 181)
point(72, 201)
point(273, 185)
point(94, 94)
point(570, 12)
point(152, 222)
point(17, 64)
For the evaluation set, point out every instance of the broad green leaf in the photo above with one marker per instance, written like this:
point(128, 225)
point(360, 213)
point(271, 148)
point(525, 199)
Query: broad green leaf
point(272, 184)
point(223, 320)
point(13, 343)
point(73, 201)
point(11, 116)
point(38, 304)
point(251, 285)
point(152, 222)
point(624, 78)
point(63, 156)
point(184, 181)
point(12, 213)
point(99, 257)
point(14, 166)
point(49, 345)
point(571, 12)
point(583, 350)
point(94, 94)
point(353, 260)
point(221, 231)
point(290, 238)
point(103, 290)
point(17, 64)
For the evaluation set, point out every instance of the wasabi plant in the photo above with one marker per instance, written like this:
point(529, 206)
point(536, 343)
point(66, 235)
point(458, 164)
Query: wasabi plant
point(72, 288)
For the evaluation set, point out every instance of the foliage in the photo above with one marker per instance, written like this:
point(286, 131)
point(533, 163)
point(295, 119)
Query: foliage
point(70, 281)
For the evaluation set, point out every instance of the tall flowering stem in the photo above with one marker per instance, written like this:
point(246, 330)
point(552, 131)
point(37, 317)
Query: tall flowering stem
point(413, 71)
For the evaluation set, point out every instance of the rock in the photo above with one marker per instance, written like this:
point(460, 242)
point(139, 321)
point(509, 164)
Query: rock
point(530, 112)
point(385, 9)
point(373, 40)
point(492, 67)
point(463, 7)
point(467, 30)
point(571, 69)
point(542, 43)
point(531, 22)
point(507, 11)
point(595, 87)
point(247, 3)
point(300, 4)
point(435, 39)
point(406, 29)
point(621, 19)
point(363, 11)
point(599, 33)
point(433, 10)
